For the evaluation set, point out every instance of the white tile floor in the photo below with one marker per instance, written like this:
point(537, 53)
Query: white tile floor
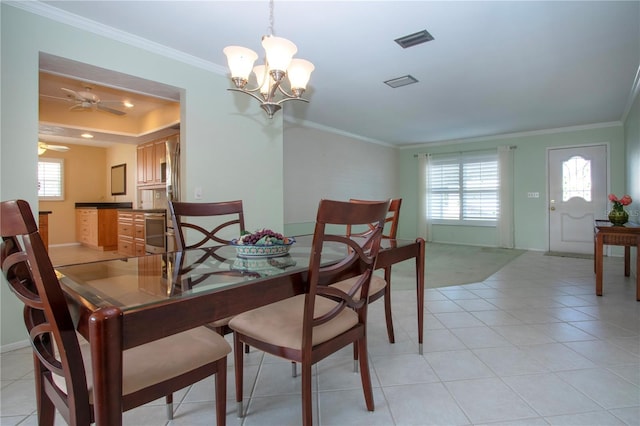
point(531, 345)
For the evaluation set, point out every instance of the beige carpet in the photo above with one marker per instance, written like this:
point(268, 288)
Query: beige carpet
point(453, 264)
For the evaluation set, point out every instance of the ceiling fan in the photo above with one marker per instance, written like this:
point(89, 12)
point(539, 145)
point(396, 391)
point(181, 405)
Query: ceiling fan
point(86, 100)
point(43, 147)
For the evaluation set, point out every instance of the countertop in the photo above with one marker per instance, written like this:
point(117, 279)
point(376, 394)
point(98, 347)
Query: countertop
point(45, 212)
point(125, 205)
point(144, 210)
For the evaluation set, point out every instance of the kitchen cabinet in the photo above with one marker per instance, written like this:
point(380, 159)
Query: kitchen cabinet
point(43, 227)
point(97, 228)
point(131, 233)
point(150, 161)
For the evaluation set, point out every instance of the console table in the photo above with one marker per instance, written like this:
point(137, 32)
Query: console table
point(627, 235)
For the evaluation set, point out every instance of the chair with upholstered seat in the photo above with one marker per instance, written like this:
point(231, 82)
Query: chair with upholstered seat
point(381, 288)
point(311, 326)
point(193, 222)
point(62, 359)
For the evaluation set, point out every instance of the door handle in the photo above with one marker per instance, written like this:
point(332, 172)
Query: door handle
point(552, 208)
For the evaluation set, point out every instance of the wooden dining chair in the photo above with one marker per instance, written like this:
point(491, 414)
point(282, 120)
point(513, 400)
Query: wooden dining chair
point(311, 326)
point(378, 288)
point(62, 359)
point(189, 221)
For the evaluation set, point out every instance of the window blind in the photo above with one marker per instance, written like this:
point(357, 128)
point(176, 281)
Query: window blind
point(464, 187)
point(50, 178)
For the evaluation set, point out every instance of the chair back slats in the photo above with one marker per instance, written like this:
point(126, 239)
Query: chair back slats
point(392, 218)
point(361, 254)
point(30, 274)
point(184, 216)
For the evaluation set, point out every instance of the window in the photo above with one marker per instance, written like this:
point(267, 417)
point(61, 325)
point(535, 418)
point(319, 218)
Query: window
point(464, 188)
point(576, 178)
point(51, 179)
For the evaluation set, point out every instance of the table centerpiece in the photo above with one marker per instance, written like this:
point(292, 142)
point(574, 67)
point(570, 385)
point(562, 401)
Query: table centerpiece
point(262, 243)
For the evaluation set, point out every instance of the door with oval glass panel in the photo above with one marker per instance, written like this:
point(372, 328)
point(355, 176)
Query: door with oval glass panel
point(577, 178)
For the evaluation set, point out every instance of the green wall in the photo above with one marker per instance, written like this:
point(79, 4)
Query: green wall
point(530, 176)
point(632, 146)
point(632, 155)
point(219, 129)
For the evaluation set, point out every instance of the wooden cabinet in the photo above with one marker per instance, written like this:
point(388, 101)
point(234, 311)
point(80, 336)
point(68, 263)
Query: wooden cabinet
point(43, 228)
point(151, 157)
point(97, 228)
point(131, 233)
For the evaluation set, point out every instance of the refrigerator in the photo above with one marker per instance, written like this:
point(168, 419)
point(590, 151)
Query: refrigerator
point(172, 177)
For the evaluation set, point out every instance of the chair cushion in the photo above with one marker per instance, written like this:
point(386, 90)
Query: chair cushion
point(220, 323)
point(160, 360)
point(377, 284)
point(280, 323)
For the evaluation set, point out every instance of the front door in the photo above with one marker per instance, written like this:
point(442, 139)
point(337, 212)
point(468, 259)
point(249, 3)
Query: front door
point(577, 196)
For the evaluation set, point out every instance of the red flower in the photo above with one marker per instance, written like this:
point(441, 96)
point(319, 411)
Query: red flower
point(618, 203)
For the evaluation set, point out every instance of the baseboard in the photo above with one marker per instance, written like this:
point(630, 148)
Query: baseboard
point(15, 346)
point(64, 245)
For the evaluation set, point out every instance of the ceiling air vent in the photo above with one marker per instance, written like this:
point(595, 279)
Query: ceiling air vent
point(401, 81)
point(414, 39)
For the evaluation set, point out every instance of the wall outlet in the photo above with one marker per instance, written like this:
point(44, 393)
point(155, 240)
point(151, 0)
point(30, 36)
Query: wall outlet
point(197, 193)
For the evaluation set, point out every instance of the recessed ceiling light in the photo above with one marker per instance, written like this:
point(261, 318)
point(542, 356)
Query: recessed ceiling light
point(128, 104)
point(401, 81)
point(414, 39)
point(87, 135)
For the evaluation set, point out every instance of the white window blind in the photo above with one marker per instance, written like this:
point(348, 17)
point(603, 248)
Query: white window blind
point(464, 187)
point(51, 179)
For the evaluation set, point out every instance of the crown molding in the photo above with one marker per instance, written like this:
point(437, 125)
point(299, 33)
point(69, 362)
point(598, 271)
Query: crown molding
point(322, 127)
point(517, 134)
point(58, 15)
point(635, 89)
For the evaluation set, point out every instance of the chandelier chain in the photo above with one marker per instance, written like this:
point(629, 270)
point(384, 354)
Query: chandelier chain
point(271, 17)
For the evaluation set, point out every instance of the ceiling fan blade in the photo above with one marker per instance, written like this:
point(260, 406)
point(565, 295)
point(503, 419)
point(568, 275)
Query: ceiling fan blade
point(111, 110)
point(58, 98)
point(59, 148)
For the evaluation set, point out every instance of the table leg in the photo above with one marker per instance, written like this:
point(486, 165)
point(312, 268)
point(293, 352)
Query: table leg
point(627, 261)
point(598, 261)
point(420, 290)
point(638, 269)
point(105, 335)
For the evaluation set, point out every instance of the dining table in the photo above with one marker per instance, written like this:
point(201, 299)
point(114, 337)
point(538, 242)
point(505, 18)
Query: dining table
point(122, 303)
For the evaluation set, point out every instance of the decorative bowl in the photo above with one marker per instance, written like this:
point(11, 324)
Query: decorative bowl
point(263, 265)
point(262, 250)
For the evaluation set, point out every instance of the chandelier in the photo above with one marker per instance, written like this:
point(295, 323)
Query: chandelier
point(278, 64)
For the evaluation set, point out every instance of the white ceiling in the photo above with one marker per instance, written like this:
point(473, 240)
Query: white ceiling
point(62, 120)
point(494, 67)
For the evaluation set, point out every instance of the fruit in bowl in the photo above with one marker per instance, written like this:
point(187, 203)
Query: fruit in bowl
point(262, 243)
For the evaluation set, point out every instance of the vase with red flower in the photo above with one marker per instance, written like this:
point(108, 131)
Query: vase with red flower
point(618, 216)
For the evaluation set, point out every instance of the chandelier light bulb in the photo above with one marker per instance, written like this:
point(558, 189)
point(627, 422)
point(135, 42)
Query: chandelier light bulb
point(279, 52)
point(262, 78)
point(299, 73)
point(240, 60)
